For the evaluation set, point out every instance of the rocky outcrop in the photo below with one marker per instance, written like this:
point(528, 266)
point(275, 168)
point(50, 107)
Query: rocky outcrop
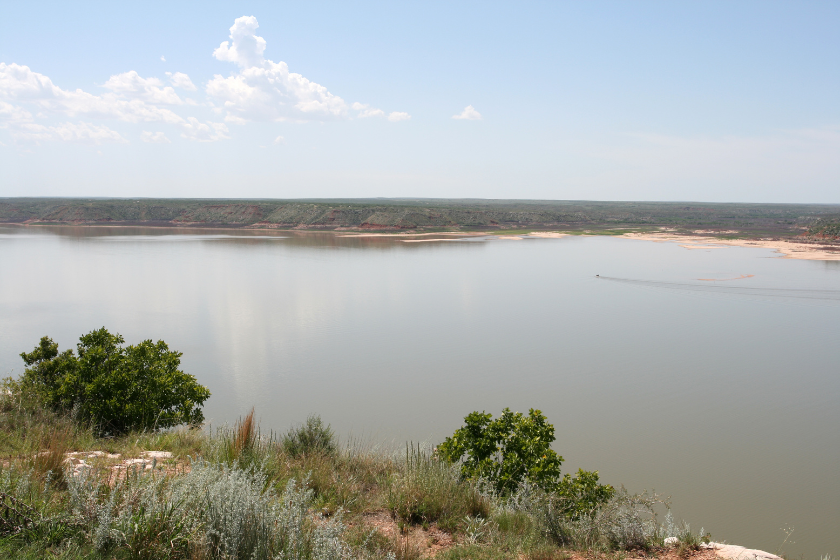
point(735, 552)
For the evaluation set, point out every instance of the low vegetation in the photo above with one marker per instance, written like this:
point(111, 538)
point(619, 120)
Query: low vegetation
point(237, 493)
point(825, 229)
point(492, 490)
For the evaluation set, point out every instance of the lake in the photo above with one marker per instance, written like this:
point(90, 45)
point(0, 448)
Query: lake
point(722, 393)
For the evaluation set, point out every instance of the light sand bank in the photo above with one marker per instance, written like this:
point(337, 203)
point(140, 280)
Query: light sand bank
point(788, 249)
point(412, 235)
point(548, 234)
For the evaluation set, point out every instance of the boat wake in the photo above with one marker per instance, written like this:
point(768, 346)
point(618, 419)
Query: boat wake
point(729, 289)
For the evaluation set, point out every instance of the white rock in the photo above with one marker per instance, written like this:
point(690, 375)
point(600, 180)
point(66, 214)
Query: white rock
point(157, 454)
point(92, 454)
point(145, 463)
point(734, 552)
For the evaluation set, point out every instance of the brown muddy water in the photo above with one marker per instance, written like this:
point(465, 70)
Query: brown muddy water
point(724, 395)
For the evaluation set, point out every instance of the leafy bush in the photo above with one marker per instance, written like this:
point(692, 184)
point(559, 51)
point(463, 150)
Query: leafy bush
point(506, 451)
point(514, 449)
point(311, 437)
point(115, 388)
point(583, 494)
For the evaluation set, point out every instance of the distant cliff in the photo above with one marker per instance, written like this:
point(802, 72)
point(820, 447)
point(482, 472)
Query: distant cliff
point(403, 214)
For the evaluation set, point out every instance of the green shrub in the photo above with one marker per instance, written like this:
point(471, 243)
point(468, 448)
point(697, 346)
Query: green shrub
point(583, 494)
point(311, 437)
point(506, 451)
point(514, 449)
point(113, 387)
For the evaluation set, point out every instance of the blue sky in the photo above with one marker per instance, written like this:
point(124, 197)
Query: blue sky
point(705, 101)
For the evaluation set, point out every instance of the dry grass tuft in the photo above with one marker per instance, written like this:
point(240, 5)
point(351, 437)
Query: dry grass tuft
point(246, 435)
point(50, 459)
point(404, 548)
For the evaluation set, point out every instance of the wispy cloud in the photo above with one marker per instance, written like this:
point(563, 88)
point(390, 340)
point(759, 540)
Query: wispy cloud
point(365, 111)
point(154, 137)
point(398, 116)
point(82, 133)
point(208, 131)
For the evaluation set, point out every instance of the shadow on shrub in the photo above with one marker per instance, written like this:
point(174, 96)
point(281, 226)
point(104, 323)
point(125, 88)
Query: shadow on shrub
point(430, 490)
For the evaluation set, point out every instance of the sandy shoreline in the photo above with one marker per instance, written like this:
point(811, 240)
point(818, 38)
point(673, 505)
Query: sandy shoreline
point(787, 249)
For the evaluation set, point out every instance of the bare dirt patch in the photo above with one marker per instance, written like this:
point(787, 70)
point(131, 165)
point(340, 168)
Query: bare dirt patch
point(429, 542)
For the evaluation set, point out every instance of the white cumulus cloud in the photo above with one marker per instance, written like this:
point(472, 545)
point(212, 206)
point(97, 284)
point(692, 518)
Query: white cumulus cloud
point(20, 84)
point(33, 108)
point(132, 85)
point(397, 116)
point(279, 140)
point(154, 137)
point(262, 90)
point(131, 98)
point(181, 80)
point(245, 47)
point(468, 114)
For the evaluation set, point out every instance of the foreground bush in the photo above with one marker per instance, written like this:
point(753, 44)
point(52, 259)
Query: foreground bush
point(113, 387)
point(506, 451)
point(514, 449)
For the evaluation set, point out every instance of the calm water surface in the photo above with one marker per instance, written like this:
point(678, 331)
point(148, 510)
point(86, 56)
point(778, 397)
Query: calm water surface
point(723, 397)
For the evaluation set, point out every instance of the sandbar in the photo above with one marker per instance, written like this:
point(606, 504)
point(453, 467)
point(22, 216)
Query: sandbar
point(787, 249)
point(548, 234)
